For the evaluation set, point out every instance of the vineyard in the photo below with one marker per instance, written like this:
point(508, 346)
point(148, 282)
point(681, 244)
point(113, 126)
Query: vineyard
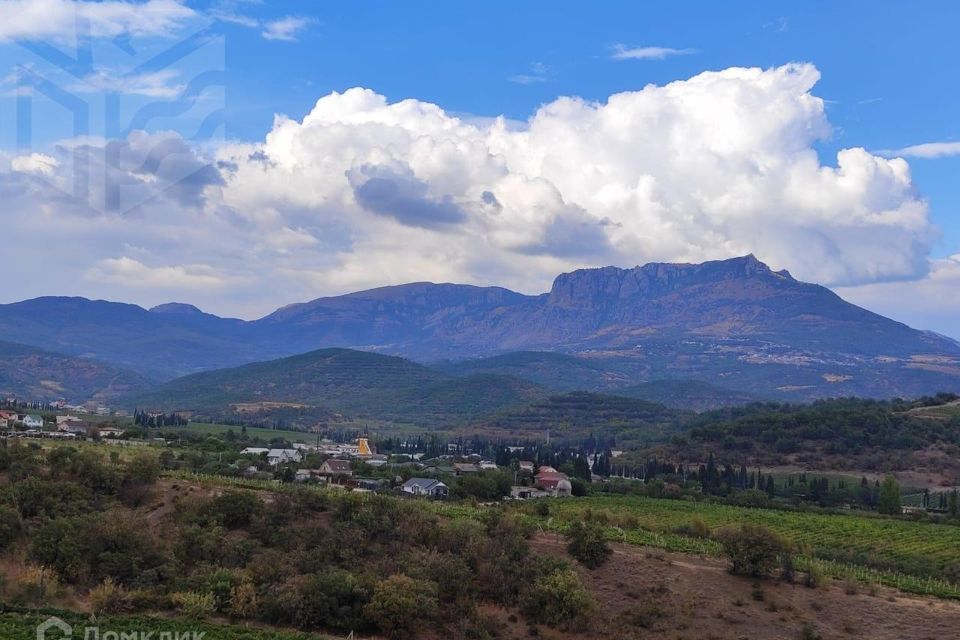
point(913, 556)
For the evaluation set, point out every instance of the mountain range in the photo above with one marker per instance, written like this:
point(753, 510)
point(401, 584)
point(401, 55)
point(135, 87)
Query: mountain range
point(735, 324)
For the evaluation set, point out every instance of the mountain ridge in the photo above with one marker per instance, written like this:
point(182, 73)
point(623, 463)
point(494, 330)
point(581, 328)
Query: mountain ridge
point(735, 323)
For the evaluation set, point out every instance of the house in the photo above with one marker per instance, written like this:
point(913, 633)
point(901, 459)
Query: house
point(283, 456)
point(526, 465)
point(488, 465)
point(552, 481)
point(307, 475)
point(33, 422)
point(528, 493)
point(111, 433)
point(66, 418)
point(334, 467)
point(76, 427)
point(425, 487)
point(4, 423)
point(254, 451)
point(465, 468)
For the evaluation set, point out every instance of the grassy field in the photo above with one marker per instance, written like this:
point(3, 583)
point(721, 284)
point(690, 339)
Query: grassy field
point(23, 626)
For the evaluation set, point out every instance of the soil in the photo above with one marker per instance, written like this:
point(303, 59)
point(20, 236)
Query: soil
point(650, 594)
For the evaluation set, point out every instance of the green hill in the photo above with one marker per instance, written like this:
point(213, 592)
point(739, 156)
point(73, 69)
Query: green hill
point(580, 414)
point(556, 371)
point(313, 386)
point(33, 374)
point(694, 395)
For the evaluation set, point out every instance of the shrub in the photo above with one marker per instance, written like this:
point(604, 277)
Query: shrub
point(194, 605)
point(400, 605)
point(814, 578)
point(236, 509)
point(559, 599)
point(9, 526)
point(34, 587)
point(109, 597)
point(244, 602)
point(587, 544)
point(332, 600)
point(753, 551)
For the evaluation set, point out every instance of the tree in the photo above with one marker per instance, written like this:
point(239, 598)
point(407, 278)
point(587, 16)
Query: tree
point(753, 550)
point(400, 605)
point(889, 501)
point(559, 599)
point(587, 544)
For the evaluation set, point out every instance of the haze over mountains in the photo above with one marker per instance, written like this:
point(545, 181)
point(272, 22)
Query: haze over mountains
point(733, 323)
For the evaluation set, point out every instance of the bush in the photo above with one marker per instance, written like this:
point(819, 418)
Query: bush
point(244, 602)
point(109, 597)
point(34, 587)
point(559, 599)
point(333, 599)
point(9, 526)
point(587, 544)
point(753, 551)
point(814, 578)
point(237, 509)
point(400, 605)
point(194, 605)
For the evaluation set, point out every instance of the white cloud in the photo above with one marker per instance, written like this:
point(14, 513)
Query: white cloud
point(928, 303)
point(287, 29)
point(362, 192)
point(623, 52)
point(539, 72)
point(59, 19)
point(926, 150)
point(129, 272)
point(34, 163)
point(154, 84)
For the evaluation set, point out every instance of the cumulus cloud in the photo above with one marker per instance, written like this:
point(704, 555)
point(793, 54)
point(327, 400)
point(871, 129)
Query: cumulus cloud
point(624, 52)
point(59, 19)
point(34, 163)
point(363, 192)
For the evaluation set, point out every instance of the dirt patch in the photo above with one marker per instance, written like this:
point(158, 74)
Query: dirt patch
point(648, 593)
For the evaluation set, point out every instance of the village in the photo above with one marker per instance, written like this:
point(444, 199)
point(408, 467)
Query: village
point(348, 466)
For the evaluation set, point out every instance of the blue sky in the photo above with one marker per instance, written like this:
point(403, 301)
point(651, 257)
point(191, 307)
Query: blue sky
point(887, 79)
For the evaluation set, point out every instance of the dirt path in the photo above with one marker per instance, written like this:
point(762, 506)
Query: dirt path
point(648, 593)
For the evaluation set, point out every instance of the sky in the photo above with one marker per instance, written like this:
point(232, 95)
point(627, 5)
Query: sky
point(243, 155)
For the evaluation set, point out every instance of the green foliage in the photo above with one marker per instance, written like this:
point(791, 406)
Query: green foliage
point(485, 485)
point(400, 605)
point(843, 426)
point(559, 599)
point(753, 551)
point(236, 509)
point(889, 501)
point(95, 547)
point(587, 544)
point(10, 526)
point(333, 599)
point(194, 605)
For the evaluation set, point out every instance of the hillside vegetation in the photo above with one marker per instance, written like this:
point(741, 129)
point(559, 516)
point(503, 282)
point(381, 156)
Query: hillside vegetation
point(316, 386)
point(38, 375)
